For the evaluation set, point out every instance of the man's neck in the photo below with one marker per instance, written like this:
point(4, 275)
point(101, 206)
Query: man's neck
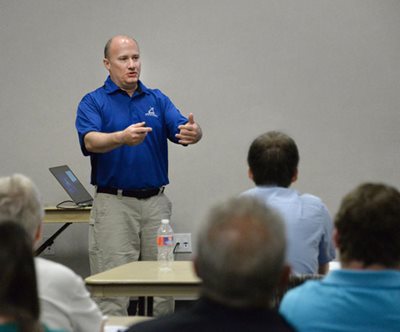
point(130, 91)
point(357, 265)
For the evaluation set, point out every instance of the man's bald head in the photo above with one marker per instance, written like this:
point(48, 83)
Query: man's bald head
point(109, 42)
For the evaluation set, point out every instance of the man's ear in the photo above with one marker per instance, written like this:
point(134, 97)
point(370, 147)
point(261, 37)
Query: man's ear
point(336, 237)
point(38, 234)
point(250, 174)
point(284, 278)
point(295, 175)
point(106, 63)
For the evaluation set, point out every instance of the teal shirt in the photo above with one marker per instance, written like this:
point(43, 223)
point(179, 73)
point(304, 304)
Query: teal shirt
point(346, 300)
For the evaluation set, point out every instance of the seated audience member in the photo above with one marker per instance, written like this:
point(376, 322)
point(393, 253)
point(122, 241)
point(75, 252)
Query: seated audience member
point(65, 302)
point(19, 303)
point(240, 259)
point(364, 295)
point(273, 160)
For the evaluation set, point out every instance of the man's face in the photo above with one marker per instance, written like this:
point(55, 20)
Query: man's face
point(123, 63)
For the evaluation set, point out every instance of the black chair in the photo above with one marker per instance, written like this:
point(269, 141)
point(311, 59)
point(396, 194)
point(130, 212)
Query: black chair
point(294, 281)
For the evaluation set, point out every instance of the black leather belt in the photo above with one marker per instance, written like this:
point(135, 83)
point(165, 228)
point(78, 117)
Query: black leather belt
point(138, 193)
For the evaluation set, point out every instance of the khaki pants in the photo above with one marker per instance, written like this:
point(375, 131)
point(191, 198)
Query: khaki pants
point(122, 230)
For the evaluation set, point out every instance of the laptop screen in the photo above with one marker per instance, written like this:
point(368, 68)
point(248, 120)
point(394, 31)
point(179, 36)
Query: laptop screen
point(72, 185)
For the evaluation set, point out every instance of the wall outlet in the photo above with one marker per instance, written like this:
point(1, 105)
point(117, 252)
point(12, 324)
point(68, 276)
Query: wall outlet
point(185, 242)
point(50, 250)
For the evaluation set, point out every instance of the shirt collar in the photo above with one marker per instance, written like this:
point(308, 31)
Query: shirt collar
point(111, 87)
point(367, 278)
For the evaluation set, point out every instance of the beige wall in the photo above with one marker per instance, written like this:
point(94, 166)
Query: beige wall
point(325, 72)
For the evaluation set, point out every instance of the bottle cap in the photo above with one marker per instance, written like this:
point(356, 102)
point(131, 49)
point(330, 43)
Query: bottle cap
point(165, 221)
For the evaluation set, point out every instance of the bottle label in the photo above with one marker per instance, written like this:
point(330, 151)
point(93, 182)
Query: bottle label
point(165, 240)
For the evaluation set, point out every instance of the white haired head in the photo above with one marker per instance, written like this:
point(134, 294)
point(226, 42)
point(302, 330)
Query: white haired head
point(20, 202)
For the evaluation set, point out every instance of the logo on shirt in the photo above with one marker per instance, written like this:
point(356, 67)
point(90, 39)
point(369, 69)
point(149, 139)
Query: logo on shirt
point(151, 112)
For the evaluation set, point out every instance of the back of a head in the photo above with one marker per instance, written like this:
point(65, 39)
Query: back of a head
point(20, 202)
point(273, 158)
point(241, 252)
point(18, 289)
point(368, 225)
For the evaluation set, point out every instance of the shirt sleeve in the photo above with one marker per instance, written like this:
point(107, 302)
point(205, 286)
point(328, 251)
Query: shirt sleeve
point(173, 117)
point(65, 302)
point(88, 118)
point(84, 314)
point(326, 246)
point(288, 306)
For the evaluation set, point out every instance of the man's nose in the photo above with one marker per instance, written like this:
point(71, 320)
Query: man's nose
point(131, 63)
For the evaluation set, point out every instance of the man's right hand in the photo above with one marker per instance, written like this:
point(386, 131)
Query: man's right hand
point(104, 142)
point(135, 134)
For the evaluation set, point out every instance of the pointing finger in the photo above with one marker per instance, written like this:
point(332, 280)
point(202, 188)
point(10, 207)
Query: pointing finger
point(139, 124)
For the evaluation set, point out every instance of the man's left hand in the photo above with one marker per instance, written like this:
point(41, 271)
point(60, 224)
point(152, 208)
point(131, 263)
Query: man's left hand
point(189, 133)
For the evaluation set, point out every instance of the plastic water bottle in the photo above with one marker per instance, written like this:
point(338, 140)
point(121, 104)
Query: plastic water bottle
point(165, 245)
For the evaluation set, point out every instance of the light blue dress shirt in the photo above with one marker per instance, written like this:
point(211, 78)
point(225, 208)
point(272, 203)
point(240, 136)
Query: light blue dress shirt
point(308, 226)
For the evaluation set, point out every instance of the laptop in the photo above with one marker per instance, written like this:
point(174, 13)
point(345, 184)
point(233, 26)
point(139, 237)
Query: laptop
point(72, 185)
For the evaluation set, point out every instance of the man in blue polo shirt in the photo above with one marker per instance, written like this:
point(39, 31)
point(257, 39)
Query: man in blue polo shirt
point(124, 127)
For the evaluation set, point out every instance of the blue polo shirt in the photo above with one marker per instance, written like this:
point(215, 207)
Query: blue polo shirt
point(346, 300)
point(109, 109)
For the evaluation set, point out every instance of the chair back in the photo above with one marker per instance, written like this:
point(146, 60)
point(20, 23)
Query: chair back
point(294, 281)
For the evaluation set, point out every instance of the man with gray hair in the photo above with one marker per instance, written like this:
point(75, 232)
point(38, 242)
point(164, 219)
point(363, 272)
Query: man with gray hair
point(241, 260)
point(65, 302)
